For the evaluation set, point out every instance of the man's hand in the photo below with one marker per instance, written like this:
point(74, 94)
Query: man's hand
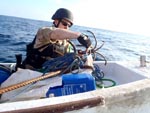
point(84, 40)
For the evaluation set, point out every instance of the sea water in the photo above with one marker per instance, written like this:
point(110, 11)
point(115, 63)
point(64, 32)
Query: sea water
point(16, 32)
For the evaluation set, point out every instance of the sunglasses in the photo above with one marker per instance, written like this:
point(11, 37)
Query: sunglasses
point(66, 24)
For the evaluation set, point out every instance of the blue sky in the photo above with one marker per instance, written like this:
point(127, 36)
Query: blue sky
point(120, 15)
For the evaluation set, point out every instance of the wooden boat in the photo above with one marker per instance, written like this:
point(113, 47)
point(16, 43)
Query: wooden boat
point(130, 95)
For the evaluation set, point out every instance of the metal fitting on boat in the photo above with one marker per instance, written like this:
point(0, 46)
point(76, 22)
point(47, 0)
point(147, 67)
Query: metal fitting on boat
point(143, 61)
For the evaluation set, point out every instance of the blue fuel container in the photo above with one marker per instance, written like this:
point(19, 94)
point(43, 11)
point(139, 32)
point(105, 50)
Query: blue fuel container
point(73, 84)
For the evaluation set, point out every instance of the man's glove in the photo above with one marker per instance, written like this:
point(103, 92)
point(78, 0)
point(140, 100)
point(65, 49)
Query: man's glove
point(84, 40)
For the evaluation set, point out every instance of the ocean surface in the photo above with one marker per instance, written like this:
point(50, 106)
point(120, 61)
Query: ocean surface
point(16, 32)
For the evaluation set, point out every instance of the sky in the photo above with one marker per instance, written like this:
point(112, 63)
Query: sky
point(131, 16)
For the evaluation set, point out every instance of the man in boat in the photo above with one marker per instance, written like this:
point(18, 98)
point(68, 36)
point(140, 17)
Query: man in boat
point(52, 42)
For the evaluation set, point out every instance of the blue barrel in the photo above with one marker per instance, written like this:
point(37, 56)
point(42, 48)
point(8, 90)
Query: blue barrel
point(4, 73)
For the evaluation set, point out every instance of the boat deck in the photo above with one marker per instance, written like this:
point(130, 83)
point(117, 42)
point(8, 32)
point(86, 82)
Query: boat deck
point(123, 72)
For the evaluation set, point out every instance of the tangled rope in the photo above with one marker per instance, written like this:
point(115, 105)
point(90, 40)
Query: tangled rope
point(97, 72)
point(99, 78)
point(95, 49)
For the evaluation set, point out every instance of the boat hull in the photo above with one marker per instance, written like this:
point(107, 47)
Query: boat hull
point(130, 96)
